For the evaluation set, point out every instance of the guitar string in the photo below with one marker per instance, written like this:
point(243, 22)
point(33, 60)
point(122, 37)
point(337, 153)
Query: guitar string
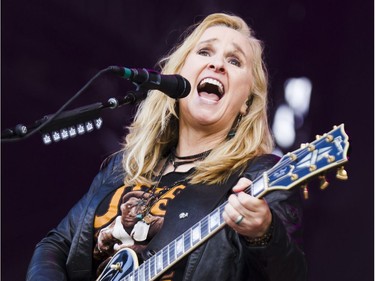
point(152, 264)
point(205, 221)
point(165, 250)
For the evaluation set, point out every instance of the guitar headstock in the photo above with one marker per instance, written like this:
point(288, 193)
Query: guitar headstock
point(312, 159)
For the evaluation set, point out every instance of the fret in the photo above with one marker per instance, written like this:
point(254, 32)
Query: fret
point(165, 257)
point(221, 211)
point(214, 220)
point(141, 272)
point(152, 263)
point(159, 262)
point(147, 271)
point(196, 234)
point(129, 277)
point(179, 246)
point(136, 274)
point(257, 188)
point(204, 227)
point(172, 252)
point(187, 240)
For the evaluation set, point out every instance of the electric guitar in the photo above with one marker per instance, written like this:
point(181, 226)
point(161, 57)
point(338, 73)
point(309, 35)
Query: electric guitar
point(294, 168)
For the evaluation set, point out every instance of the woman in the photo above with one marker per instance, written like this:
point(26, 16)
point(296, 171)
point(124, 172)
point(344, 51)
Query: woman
point(184, 158)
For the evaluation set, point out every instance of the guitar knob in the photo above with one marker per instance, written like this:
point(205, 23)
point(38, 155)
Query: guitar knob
point(116, 266)
point(323, 182)
point(341, 173)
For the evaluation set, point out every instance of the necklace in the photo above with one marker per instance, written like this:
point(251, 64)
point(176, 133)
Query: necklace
point(190, 157)
point(154, 196)
point(186, 159)
point(141, 228)
point(171, 159)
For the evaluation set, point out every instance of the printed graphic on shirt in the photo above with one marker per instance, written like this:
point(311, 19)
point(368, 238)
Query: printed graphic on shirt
point(129, 218)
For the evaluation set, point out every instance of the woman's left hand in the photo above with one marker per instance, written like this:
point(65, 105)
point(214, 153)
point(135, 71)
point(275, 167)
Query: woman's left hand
point(247, 215)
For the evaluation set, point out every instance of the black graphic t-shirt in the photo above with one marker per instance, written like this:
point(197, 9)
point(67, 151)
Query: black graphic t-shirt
point(131, 216)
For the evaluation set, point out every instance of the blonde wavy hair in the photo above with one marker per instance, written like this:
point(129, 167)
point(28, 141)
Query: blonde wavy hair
point(154, 130)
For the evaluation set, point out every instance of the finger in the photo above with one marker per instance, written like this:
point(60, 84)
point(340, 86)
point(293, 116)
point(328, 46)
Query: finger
point(233, 222)
point(231, 212)
point(242, 184)
point(235, 203)
point(251, 203)
point(244, 203)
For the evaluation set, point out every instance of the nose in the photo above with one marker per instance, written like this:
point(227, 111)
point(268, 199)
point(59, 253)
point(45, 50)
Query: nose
point(133, 212)
point(217, 65)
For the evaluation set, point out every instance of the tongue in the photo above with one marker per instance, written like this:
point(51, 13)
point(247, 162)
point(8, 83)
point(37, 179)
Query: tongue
point(209, 96)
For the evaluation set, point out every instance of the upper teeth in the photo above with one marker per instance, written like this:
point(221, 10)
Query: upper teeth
point(214, 82)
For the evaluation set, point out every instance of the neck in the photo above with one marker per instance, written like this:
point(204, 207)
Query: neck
point(192, 142)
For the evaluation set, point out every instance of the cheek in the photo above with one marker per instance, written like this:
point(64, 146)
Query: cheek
point(191, 67)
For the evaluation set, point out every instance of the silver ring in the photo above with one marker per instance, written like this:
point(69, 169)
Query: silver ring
point(239, 219)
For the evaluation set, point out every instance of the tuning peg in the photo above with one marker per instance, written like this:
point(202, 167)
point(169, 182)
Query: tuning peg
point(329, 138)
point(330, 158)
point(323, 182)
point(292, 156)
point(318, 137)
point(311, 147)
point(303, 145)
point(305, 191)
point(341, 173)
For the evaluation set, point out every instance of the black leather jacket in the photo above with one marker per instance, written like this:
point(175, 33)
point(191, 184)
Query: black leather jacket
point(66, 252)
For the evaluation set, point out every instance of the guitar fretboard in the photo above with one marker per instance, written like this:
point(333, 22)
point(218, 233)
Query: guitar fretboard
point(180, 247)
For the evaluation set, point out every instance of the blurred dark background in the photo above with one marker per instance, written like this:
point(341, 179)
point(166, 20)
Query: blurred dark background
point(50, 49)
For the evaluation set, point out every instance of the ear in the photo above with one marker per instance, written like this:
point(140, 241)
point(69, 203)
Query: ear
point(244, 109)
point(246, 106)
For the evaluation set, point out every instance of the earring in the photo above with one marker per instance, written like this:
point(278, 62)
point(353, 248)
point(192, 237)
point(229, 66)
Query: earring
point(249, 102)
point(233, 131)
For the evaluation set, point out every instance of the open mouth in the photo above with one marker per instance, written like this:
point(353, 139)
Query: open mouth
point(211, 86)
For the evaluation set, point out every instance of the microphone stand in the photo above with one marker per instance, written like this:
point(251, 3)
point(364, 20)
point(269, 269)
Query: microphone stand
point(68, 124)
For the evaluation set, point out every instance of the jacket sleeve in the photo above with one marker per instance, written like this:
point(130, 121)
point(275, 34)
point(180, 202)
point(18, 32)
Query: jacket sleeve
point(282, 258)
point(52, 252)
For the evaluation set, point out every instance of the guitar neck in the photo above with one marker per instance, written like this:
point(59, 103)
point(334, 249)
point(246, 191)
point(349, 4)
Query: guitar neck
point(180, 247)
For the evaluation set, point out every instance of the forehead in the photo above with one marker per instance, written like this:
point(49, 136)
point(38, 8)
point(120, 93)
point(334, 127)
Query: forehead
point(228, 36)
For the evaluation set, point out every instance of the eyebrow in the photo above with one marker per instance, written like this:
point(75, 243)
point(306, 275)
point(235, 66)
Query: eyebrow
point(236, 46)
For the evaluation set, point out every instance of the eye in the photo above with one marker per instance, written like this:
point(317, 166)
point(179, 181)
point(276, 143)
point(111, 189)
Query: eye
point(203, 52)
point(235, 61)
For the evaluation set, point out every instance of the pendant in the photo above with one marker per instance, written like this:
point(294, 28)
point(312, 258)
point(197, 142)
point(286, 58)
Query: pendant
point(140, 231)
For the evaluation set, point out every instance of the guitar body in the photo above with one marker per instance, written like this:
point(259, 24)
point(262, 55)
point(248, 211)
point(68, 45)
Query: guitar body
point(121, 264)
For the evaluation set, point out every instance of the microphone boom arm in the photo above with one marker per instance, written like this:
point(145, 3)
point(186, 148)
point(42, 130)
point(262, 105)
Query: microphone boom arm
point(70, 123)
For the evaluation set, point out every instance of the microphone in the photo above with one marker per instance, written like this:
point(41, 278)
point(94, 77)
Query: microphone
point(174, 86)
